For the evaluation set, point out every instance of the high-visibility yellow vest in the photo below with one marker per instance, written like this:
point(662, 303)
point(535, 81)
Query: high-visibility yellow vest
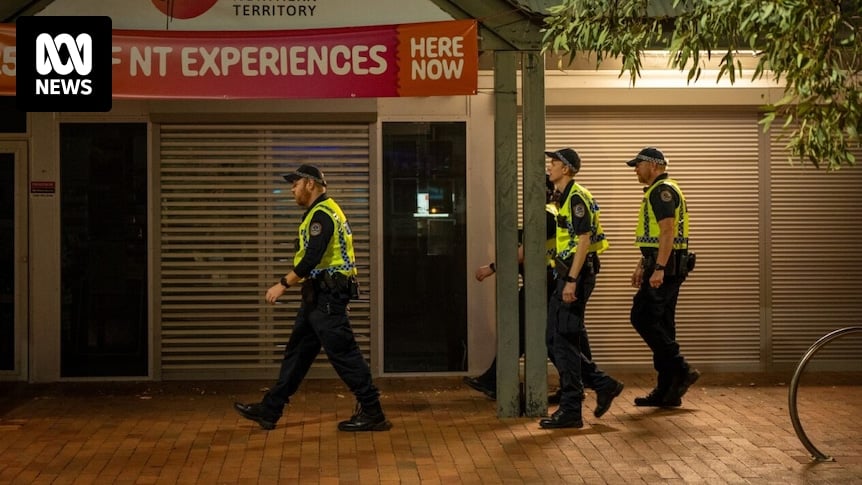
point(647, 231)
point(339, 256)
point(567, 240)
point(551, 244)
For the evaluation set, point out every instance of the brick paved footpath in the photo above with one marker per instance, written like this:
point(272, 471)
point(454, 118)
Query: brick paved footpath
point(732, 428)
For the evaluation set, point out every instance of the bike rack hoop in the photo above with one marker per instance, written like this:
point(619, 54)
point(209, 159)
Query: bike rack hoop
point(794, 386)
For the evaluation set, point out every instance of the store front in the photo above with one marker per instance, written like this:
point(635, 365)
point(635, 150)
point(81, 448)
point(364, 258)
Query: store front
point(743, 308)
point(172, 224)
point(168, 214)
point(145, 236)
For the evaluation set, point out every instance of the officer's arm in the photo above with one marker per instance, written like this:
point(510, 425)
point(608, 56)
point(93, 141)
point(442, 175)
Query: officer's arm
point(580, 254)
point(581, 226)
point(665, 240)
point(664, 201)
point(320, 231)
point(318, 241)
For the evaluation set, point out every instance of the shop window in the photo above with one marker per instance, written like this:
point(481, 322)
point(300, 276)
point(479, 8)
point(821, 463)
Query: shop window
point(425, 294)
point(103, 220)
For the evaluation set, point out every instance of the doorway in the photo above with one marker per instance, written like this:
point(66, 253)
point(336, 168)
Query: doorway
point(103, 218)
point(425, 255)
point(13, 260)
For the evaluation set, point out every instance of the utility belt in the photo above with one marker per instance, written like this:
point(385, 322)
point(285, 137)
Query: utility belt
point(592, 265)
point(681, 261)
point(332, 286)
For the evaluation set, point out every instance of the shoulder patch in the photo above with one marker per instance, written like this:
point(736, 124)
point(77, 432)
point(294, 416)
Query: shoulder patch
point(665, 195)
point(580, 210)
point(315, 229)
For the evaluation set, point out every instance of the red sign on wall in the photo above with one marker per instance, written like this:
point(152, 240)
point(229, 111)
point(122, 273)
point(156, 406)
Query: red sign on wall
point(423, 59)
point(45, 187)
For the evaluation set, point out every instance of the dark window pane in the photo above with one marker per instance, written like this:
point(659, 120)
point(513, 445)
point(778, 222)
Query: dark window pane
point(12, 120)
point(104, 249)
point(425, 291)
point(7, 261)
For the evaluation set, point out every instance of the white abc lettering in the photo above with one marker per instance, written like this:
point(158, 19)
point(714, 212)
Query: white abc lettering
point(48, 54)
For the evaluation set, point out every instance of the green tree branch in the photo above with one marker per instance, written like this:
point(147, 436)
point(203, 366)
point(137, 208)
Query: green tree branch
point(814, 46)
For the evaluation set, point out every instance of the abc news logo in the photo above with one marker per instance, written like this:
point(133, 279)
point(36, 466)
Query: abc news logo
point(64, 64)
point(48, 61)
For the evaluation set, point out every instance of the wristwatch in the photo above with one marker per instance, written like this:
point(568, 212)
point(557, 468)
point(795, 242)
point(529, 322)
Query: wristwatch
point(284, 282)
point(569, 279)
point(660, 267)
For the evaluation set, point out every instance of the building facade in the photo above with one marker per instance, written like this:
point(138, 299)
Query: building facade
point(139, 242)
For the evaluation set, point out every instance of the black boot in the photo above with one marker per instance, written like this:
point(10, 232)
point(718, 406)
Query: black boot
point(658, 398)
point(681, 382)
point(605, 398)
point(562, 419)
point(258, 413)
point(366, 419)
point(478, 384)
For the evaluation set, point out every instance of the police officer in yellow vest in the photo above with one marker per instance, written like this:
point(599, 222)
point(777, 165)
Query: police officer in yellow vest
point(580, 239)
point(662, 236)
point(325, 266)
point(486, 383)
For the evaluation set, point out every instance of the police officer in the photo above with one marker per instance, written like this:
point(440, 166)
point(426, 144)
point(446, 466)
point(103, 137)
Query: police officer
point(662, 236)
point(325, 266)
point(486, 383)
point(579, 240)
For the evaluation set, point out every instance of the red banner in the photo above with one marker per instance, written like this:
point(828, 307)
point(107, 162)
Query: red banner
point(423, 59)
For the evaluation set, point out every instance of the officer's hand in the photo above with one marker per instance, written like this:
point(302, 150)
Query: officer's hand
point(657, 278)
point(274, 292)
point(637, 277)
point(569, 293)
point(483, 272)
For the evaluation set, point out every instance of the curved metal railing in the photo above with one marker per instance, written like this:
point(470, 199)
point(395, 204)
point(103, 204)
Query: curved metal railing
point(794, 386)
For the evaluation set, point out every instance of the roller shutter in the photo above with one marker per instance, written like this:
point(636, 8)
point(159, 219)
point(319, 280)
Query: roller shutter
point(816, 262)
point(227, 226)
point(714, 156)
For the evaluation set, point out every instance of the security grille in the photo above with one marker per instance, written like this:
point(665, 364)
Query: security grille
point(816, 263)
point(228, 224)
point(714, 156)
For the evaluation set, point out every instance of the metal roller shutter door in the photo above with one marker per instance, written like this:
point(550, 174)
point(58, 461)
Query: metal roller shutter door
point(816, 262)
point(227, 227)
point(714, 155)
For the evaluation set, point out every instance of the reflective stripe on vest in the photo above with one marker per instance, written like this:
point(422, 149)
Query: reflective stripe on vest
point(567, 240)
point(339, 256)
point(647, 231)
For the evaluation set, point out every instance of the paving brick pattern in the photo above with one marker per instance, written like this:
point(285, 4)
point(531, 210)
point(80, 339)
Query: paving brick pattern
point(732, 428)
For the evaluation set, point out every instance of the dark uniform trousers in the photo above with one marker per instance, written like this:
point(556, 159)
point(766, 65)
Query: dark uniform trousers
point(653, 315)
point(489, 377)
point(570, 345)
point(323, 323)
